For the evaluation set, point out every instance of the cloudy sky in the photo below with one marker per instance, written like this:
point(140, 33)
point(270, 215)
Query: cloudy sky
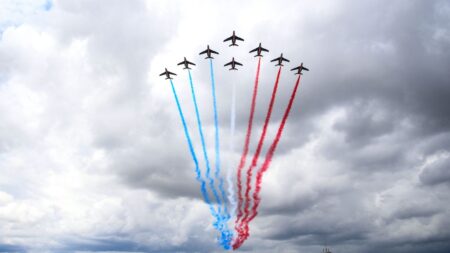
point(93, 157)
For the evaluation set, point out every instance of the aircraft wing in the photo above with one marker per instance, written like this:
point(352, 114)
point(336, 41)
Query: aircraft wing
point(214, 52)
point(295, 68)
point(239, 38)
point(191, 63)
point(306, 69)
point(276, 59)
point(237, 63)
point(227, 39)
point(254, 50)
point(162, 74)
point(181, 63)
point(170, 73)
point(284, 59)
point(204, 52)
point(263, 49)
point(228, 64)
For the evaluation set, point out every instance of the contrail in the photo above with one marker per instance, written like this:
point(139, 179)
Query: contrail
point(224, 234)
point(231, 193)
point(246, 144)
point(217, 150)
point(242, 237)
point(259, 147)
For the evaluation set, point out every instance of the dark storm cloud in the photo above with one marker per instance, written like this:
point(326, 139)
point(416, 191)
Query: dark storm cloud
point(361, 125)
point(383, 55)
point(416, 211)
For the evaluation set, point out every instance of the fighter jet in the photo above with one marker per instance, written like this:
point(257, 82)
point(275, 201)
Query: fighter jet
point(258, 50)
point(233, 39)
point(167, 74)
point(299, 69)
point(280, 60)
point(208, 52)
point(233, 64)
point(186, 63)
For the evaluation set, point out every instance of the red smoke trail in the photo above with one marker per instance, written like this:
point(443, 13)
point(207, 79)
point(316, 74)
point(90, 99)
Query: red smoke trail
point(259, 147)
point(244, 232)
point(246, 144)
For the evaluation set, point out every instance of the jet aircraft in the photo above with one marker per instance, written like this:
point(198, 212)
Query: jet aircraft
point(280, 60)
point(167, 74)
point(233, 64)
point(300, 69)
point(208, 53)
point(233, 39)
point(186, 63)
point(258, 50)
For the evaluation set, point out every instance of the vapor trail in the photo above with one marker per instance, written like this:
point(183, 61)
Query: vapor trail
point(246, 144)
point(217, 151)
point(242, 237)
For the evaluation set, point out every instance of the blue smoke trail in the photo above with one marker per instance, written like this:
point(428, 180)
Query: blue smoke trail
point(217, 146)
point(202, 138)
point(224, 234)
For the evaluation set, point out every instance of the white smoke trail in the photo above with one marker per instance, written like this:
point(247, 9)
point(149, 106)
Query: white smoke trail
point(231, 192)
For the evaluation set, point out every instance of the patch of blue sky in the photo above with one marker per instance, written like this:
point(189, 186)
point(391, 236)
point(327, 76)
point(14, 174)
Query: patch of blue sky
point(17, 12)
point(48, 5)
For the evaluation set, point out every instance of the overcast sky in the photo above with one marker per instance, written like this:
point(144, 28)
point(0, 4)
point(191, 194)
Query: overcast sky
point(93, 157)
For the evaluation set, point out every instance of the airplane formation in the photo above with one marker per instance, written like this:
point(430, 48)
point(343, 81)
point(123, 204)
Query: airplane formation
point(233, 63)
point(244, 214)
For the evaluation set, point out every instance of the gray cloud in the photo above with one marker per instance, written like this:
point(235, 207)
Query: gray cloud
point(436, 173)
point(362, 166)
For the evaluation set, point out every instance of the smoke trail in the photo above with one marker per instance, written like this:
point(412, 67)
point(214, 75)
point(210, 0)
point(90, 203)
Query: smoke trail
point(202, 138)
point(231, 193)
point(217, 150)
point(246, 144)
point(223, 234)
point(259, 147)
point(225, 239)
point(240, 240)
